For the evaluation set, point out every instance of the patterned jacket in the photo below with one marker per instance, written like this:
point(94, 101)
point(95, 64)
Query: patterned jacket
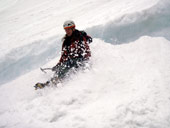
point(75, 47)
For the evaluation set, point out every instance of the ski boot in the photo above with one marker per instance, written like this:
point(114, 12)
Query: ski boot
point(55, 80)
point(41, 85)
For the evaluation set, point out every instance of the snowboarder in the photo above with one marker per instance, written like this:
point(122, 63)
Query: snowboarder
point(75, 52)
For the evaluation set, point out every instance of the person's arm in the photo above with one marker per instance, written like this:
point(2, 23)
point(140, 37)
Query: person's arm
point(87, 49)
point(84, 48)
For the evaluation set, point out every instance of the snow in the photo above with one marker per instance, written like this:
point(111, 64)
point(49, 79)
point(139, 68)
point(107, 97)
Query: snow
point(27, 21)
point(127, 85)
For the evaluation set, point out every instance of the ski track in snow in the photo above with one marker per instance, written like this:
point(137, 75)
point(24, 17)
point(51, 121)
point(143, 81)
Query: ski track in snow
point(126, 87)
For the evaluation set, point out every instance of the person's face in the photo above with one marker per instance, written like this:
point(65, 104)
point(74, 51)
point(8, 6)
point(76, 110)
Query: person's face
point(69, 31)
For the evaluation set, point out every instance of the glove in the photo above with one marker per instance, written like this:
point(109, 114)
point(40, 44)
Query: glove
point(55, 68)
point(41, 85)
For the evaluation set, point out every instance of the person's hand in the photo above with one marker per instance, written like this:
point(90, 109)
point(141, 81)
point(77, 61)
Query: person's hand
point(54, 68)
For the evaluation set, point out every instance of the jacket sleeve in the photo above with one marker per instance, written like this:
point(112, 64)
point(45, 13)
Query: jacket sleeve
point(64, 55)
point(85, 49)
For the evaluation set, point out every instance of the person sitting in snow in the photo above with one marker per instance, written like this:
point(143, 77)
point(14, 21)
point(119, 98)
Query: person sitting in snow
point(75, 52)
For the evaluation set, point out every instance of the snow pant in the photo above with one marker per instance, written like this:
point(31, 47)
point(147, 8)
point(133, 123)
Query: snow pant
point(73, 64)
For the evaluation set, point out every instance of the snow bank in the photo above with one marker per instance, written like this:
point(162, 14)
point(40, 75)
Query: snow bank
point(128, 86)
point(153, 21)
point(25, 58)
point(27, 21)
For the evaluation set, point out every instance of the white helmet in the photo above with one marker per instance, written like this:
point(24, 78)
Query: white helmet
point(69, 24)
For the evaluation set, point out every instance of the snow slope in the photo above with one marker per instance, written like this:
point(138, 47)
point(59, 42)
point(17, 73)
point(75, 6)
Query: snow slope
point(127, 85)
point(130, 89)
point(29, 25)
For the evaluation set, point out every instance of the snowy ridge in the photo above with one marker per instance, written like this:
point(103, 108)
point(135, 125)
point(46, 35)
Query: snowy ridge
point(32, 20)
point(25, 58)
point(129, 27)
